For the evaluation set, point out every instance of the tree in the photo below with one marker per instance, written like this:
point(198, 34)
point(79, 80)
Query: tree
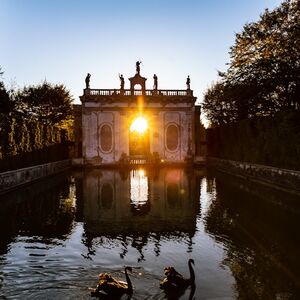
point(267, 53)
point(48, 103)
point(6, 103)
point(264, 69)
point(217, 106)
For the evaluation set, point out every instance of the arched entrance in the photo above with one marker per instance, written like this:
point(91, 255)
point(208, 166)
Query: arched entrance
point(139, 143)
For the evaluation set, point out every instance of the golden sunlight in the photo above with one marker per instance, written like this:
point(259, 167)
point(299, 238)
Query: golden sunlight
point(140, 125)
point(142, 173)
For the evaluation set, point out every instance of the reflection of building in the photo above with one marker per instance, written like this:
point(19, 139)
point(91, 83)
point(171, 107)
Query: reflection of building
point(105, 117)
point(116, 203)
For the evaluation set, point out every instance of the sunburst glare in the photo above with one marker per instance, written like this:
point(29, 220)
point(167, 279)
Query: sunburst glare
point(140, 125)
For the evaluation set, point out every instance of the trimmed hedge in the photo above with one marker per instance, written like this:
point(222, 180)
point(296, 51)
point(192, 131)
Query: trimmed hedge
point(272, 141)
point(24, 143)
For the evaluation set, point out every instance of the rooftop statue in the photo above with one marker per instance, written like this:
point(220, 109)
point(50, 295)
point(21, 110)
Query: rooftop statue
point(138, 67)
point(121, 81)
point(87, 81)
point(188, 83)
point(155, 82)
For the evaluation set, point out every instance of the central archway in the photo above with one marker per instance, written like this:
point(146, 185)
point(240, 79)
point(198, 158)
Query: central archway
point(139, 143)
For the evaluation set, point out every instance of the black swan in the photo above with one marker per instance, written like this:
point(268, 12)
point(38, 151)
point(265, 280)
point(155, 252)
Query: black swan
point(111, 286)
point(176, 280)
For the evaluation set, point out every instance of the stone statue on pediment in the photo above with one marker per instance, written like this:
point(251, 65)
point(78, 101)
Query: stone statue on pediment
point(138, 68)
point(155, 84)
point(188, 83)
point(87, 81)
point(122, 82)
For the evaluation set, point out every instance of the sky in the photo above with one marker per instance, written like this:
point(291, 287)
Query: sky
point(62, 40)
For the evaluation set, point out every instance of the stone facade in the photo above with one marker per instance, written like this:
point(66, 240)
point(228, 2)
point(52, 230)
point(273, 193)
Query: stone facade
point(106, 115)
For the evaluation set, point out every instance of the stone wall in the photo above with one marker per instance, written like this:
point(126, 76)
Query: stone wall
point(283, 178)
point(12, 179)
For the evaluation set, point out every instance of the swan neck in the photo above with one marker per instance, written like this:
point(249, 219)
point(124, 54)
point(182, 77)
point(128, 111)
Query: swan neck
point(192, 273)
point(129, 284)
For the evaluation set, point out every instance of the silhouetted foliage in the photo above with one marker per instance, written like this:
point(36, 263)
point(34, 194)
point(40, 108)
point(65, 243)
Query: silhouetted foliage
point(46, 102)
point(6, 103)
point(35, 125)
point(264, 70)
point(273, 141)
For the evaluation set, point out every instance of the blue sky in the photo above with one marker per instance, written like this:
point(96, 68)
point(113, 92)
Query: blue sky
point(61, 41)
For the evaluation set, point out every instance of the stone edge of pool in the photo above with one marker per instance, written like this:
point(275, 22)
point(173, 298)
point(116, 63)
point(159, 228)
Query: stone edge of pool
point(285, 179)
point(16, 178)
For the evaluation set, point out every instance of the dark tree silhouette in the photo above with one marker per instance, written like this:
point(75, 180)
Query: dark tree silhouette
point(264, 69)
point(48, 103)
point(6, 103)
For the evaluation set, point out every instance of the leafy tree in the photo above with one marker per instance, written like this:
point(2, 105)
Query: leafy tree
point(217, 106)
point(267, 53)
point(6, 103)
point(264, 70)
point(225, 103)
point(46, 102)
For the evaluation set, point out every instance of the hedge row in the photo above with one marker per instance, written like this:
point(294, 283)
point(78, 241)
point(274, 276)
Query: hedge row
point(273, 141)
point(25, 143)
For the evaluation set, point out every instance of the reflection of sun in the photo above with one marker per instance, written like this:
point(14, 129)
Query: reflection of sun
point(142, 173)
point(138, 187)
point(140, 125)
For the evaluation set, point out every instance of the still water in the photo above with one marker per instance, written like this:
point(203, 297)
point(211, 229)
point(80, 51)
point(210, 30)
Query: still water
point(58, 235)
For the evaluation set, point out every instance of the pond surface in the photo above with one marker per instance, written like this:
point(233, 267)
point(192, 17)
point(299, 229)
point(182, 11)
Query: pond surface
point(58, 235)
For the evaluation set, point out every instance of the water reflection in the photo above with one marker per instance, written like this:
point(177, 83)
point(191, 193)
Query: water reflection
point(139, 192)
point(259, 227)
point(57, 235)
point(135, 206)
point(42, 209)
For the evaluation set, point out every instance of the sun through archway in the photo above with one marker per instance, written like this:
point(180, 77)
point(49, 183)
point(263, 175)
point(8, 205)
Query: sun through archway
point(139, 125)
point(139, 136)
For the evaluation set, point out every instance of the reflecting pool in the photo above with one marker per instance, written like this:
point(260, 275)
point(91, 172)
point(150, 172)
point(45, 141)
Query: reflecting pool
point(57, 235)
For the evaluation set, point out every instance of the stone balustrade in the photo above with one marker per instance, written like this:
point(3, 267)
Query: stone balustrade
point(127, 92)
